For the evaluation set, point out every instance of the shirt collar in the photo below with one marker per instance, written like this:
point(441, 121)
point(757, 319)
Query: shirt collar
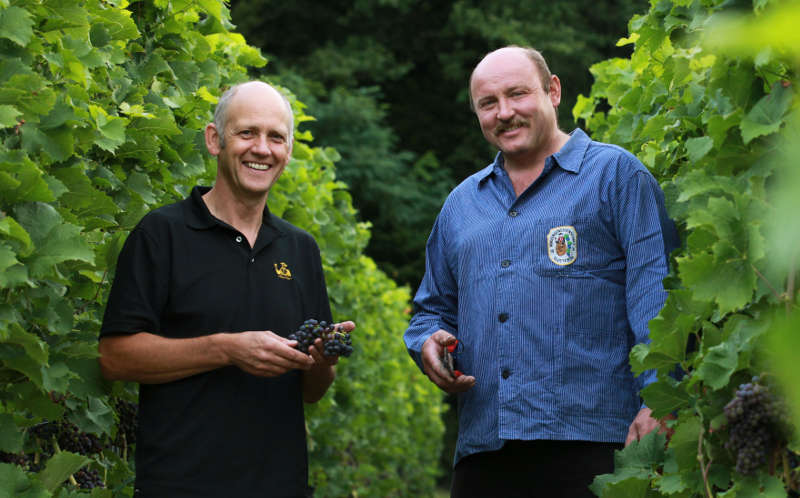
point(198, 216)
point(568, 158)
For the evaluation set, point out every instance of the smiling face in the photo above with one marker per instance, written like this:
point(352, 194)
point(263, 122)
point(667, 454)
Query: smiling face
point(257, 142)
point(516, 114)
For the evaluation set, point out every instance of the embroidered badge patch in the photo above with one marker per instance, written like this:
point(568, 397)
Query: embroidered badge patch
point(283, 271)
point(562, 245)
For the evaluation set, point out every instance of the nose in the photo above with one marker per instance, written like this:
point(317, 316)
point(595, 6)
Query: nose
point(504, 110)
point(261, 145)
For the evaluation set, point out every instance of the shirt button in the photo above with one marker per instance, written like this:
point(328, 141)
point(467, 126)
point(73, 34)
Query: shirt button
point(513, 213)
point(238, 238)
point(502, 317)
point(505, 263)
point(252, 260)
point(506, 373)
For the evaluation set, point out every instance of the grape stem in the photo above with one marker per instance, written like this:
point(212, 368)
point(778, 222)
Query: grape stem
point(705, 468)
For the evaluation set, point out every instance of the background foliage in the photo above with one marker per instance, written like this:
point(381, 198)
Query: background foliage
point(717, 125)
point(101, 107)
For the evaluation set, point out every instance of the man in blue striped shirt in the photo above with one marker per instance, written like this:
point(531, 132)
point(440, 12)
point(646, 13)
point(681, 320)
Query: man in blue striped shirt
point(546, 267)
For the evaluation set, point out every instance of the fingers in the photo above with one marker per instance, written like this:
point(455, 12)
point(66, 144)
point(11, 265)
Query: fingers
point(266, 354)
point(633, 435)
point(346, 326)
point(317, 352)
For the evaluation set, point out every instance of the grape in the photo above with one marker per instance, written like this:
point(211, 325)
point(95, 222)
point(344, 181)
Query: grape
point(756, 425)
point(335, 341)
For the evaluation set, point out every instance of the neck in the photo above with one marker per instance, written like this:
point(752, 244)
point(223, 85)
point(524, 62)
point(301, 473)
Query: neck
point(533, 160)
point(244, 215)
point(524, 168)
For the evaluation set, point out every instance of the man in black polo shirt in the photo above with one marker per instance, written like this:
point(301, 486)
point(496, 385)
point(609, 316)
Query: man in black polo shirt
point(205, 292)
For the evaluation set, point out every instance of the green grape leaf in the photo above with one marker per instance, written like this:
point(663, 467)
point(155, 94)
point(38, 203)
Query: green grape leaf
point(10, 436)
point(8, 258)
point(117, 22)
point(719, 363)
point(16, 25)
point(8, 116)
point(55, 240)
point(55, 144)
point(767, 116)
point(665, 397)
point(59, 467)
point(684, 441)
point(14, 480)
point(698, 147)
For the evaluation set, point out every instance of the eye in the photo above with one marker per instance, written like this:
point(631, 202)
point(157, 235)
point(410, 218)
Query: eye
point(246, 133)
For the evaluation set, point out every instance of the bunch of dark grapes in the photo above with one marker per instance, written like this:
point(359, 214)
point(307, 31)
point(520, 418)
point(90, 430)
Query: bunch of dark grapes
point(88, 479)
point(128, 420)
point(70, 438)
point(335, 341)
point(756, 425)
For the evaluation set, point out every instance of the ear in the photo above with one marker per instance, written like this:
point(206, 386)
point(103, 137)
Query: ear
point(212, 139)
point(555, 90)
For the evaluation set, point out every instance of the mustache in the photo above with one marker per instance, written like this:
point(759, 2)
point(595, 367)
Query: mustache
point(517, 123)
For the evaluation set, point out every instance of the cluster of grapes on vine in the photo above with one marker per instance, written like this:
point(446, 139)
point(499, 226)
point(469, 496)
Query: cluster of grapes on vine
point(758, 431)
point(46, 438)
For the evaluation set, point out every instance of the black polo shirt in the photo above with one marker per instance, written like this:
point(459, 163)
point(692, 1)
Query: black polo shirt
point(184, 273)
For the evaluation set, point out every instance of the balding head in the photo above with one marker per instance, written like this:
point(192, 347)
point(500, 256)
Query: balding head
point(221, 111)
point(529, 53)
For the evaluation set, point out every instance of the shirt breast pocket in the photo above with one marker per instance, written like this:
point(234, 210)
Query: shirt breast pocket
point(571, 246)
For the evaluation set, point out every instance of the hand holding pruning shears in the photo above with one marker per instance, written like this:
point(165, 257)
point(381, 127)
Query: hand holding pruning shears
point(440, 365)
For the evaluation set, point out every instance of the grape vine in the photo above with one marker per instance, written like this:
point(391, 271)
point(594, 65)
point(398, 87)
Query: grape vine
point(708, 102)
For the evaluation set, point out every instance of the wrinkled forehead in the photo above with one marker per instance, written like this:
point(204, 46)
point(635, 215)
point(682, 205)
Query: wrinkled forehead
point(510, 67)
point(260, 105)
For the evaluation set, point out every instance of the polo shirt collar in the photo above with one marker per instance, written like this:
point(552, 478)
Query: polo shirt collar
point(199, 217)
point(568, 158)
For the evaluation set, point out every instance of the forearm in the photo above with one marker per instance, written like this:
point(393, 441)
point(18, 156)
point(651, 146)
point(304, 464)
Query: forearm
point(316, 382)
point(152, 359)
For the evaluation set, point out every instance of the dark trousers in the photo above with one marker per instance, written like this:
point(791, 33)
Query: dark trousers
point(533, 469)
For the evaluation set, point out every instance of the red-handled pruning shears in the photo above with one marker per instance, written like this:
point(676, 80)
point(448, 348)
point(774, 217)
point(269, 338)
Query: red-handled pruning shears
point(448, 361)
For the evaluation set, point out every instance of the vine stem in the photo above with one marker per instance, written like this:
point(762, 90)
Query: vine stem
point(760, 275)
point(705, 468)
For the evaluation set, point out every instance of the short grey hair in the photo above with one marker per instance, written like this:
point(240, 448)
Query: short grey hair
point(538, 61)
point(221, 111)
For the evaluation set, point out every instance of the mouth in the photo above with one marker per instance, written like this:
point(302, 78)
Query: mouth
point(504, 128)
point(257, 166)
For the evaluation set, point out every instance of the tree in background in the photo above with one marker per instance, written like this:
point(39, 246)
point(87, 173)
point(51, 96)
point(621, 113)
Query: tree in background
point(387, 82)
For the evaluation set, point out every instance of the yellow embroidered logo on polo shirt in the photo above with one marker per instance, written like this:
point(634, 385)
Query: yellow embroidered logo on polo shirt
point(562, 245)
point(283, 271)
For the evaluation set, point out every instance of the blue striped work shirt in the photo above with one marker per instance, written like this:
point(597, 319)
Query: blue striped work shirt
point(547, 293)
